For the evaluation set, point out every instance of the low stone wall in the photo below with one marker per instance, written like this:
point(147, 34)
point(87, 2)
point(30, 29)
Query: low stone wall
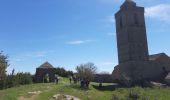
point(104, 78)
point(137, 71)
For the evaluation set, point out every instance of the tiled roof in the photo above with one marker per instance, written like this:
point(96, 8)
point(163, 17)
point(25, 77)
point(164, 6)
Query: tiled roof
point(46, 65)
point(156, 56)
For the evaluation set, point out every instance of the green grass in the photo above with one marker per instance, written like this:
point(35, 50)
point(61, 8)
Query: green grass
point(93, 93)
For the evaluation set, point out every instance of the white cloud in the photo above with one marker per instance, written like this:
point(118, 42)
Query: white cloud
point(76, 42)
point(159, 12)
point(111, 34)
point(31, 55)
point(111, 19)
point(40, 54)
point(16, 59)
point(37, 54)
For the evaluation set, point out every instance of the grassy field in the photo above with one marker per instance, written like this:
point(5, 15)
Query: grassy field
point(93, 93)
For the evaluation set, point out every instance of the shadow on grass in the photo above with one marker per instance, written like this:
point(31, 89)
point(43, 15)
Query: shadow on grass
point(108, 87)
point(105, 88)
point(77, 87)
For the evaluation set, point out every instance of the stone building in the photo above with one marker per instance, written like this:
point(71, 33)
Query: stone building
point(162, 58)
point(135, 64)
point(103, 78)
point(43, 70)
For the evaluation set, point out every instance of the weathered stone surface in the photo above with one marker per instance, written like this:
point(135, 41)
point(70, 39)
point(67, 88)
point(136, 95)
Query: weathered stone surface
point(131, 33)
point(167, 79)
point(64, 97)
point(44, 69)
point(104, 78)
point(135, 65)
point(34, 93)
point(135, 72)
point(162, 58)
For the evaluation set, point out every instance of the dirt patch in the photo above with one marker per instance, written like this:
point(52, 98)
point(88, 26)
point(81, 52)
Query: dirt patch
point(32, 95)
point(64, 97)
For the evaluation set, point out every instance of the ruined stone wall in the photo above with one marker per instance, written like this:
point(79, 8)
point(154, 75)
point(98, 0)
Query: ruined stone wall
point(165, 61)
point(136, 71)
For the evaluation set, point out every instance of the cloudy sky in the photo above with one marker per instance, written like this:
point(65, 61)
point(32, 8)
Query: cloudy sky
point(70, 32)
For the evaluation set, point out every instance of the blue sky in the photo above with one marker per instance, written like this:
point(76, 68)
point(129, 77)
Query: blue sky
point(70, 32)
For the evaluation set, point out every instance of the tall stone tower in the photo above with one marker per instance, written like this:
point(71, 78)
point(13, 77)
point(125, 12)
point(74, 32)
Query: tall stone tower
point(131, 33)
point(134, 65)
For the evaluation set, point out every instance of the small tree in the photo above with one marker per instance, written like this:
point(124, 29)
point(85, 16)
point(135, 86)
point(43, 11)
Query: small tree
point(63, 72)
point(11, 80)
point(69, 73)
point(86, 71)
point(3, 67)
point(24, 78)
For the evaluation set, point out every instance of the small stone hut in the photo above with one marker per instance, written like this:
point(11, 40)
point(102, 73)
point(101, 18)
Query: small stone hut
point(43, 70)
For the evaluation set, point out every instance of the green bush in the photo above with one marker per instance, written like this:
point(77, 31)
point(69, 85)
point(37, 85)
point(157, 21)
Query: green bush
point(3, 67)
point(20, 78)
point(133, 95)
point(62, 72)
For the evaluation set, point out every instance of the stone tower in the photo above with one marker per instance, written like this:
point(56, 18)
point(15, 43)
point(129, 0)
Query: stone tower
point(131, 33)
point(134, 65)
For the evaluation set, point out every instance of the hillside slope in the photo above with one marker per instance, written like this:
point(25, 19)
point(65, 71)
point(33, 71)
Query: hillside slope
point(47, 91)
